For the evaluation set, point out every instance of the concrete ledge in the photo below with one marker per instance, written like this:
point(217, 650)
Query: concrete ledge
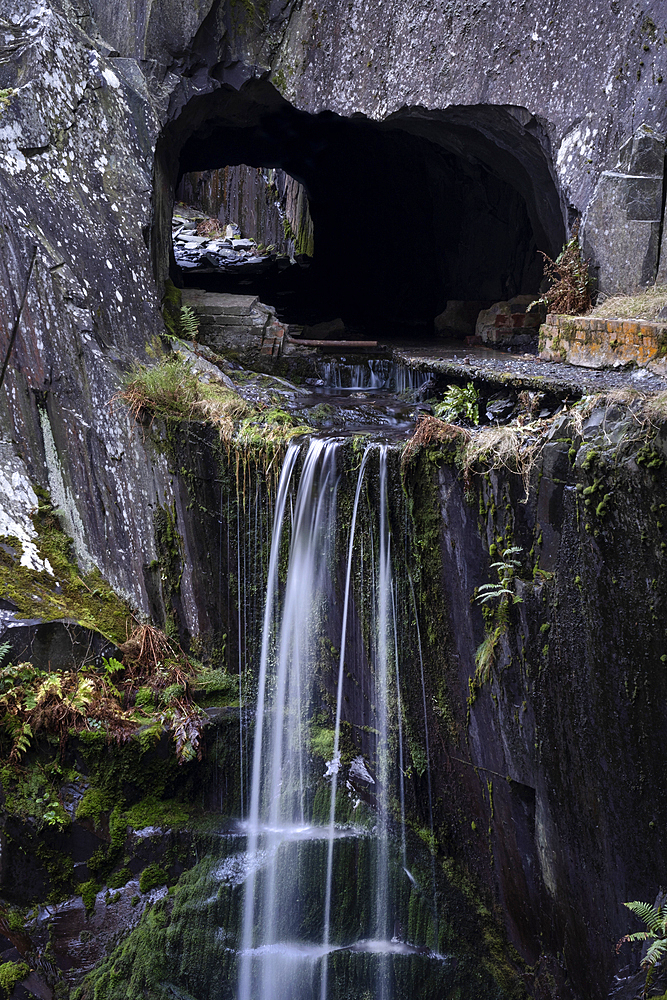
point(604, 343)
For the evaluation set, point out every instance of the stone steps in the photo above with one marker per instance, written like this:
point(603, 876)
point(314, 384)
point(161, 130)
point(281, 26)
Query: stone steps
point(235, 322)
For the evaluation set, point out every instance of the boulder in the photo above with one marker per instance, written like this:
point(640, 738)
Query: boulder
point(458, 319)
point(63, 644)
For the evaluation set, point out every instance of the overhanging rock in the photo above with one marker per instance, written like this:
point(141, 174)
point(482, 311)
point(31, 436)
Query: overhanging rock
point(63, 644)
point(623, 220)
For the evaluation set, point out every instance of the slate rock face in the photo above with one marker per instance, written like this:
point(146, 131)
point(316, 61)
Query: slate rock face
point(76, 144)
point(62, 644)
point(624, 217)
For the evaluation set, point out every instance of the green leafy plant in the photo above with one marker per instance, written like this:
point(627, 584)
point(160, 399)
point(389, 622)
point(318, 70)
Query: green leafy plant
point(506, 568)
point(188, 323)
point(496, 618)
point(655, 917)
point(459, 402)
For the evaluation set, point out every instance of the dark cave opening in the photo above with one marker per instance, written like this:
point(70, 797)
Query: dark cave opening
point(408, 214)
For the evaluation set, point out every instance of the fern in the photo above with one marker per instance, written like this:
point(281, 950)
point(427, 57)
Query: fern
point(505, 569)
point(21, 734)
point(459, 402)
point(112, 665)
point(4, 649)
point(188, 323)
point(51, 685)
point(83, 695)
point(655, 918)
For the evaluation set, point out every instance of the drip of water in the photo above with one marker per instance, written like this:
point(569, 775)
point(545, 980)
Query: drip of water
point(281, 955)
point(278, 767)
point(428, 755)
point(376, 373)
point(399, 717)
point(383, 595)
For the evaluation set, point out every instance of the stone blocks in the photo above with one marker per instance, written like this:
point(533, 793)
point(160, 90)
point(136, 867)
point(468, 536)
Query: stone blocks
point(604, 343)
point(235, 322)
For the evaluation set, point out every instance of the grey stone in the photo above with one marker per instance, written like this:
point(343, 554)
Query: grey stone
point(622, 223)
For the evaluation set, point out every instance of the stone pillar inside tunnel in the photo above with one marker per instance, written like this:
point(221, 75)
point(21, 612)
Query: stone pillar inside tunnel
point(408, 214)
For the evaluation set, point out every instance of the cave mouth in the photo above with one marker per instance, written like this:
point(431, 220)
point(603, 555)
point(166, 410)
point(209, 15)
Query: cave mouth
point(408, 214)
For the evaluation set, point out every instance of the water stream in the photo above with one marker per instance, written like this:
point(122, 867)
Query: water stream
point(331, 593)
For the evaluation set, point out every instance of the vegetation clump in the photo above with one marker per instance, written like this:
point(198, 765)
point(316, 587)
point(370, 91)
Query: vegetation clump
point(647, 305)
point(172, 389)
point(431, 433)
point(459, 402)
point(12, 973)
point(152, 877)
point(105, 700)
point(570, 284)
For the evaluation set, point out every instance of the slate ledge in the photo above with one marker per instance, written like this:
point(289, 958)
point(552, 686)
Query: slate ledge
point(604, 343)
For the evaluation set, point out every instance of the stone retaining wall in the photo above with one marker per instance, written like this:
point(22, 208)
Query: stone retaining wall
point(601, 343)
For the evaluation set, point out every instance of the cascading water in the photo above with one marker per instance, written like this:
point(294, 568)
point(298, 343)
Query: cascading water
point(372, 374)
point(297, 921)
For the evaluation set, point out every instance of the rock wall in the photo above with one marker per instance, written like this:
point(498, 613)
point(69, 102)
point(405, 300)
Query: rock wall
point(556, 706)
point(589, 78)
point(76, 140)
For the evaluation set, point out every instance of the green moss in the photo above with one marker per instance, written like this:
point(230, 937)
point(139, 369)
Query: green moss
point(152, 877)
point(32, 794)
point(119, 878)
point(67, 593)
point(215, 686)
point(94, 804)
point(89, 892)
point(171, 306)
point(649, 458)
point(158, 813)
point(12, 973)
point(169, 546)
point(322, 741)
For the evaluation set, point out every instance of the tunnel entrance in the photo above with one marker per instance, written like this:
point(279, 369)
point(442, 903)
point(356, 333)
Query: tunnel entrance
point(408, 214)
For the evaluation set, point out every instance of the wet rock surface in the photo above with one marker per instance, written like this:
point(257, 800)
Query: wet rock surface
point(527, 371)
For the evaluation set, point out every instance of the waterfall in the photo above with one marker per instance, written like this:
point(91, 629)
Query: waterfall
point(331, 591)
